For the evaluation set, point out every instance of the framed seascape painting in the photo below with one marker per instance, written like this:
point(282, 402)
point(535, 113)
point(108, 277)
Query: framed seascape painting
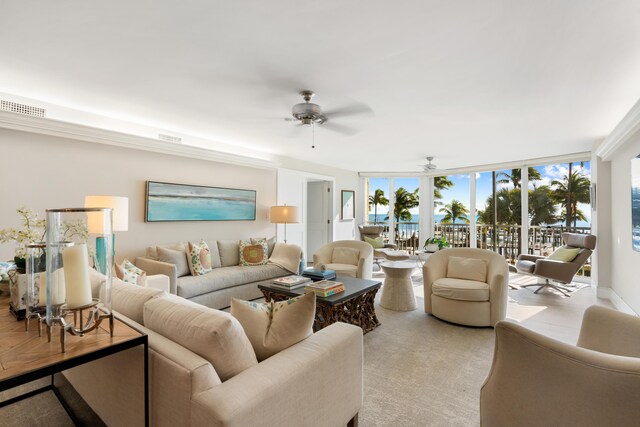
point(635, 203)
point(348, 205)
point(179, 202)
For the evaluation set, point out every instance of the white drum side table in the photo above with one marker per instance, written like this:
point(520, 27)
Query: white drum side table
point(397, 292)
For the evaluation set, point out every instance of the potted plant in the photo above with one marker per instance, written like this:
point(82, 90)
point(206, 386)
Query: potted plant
point(434, 244)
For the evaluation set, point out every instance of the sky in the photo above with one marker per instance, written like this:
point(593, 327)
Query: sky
point(460, 189)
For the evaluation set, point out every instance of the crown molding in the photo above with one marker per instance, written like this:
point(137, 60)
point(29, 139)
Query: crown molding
point(51, 127)
point(627, 127)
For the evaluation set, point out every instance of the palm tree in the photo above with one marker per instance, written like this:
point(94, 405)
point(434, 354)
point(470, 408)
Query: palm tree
point(572, 190)
point(515, 177)
point(542, 209)
point(377, 199)
point(440, 183)
point(453, 211)
point(404, 201)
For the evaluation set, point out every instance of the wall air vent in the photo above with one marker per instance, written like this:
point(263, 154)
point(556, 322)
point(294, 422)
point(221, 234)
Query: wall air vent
point(169, 138)
point(28, 110)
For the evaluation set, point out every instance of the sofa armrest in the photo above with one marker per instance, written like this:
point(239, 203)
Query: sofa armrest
point(536, 380)
point(498, 281)
point(610, 331)
point(365, 267)
point(152, 267)
point(433, 269)
point(317, 381)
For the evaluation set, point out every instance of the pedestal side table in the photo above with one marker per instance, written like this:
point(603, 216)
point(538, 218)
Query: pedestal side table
point(397, 292)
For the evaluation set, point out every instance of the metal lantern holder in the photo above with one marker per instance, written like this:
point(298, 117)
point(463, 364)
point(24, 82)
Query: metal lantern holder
point(36, 285)
point(68, 285)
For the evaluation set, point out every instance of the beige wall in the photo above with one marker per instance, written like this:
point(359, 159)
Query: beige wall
point(43, 172)
point(625, 262)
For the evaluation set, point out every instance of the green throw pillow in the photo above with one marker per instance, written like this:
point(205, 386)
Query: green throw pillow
point(564, 254)
point(377, 243)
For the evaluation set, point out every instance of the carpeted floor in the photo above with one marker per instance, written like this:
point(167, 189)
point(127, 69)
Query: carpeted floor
point(418, 370)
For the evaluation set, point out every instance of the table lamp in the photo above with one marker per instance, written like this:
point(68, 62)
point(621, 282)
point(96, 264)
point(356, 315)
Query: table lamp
point(284, 215)
point(120, 206)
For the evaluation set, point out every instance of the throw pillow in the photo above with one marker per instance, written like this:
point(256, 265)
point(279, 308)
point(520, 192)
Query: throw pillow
point(129, 273)
point(253, 254)
point(343, 255)
point(377, 243)
point(199, 258)
point(212, 334)
point(229, 252)
point(271, 243)
point(564, 254)
point(467, 269)
point(175, 257)
point(272, 327)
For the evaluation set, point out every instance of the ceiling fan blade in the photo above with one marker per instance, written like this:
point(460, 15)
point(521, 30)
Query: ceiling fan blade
point(345, 130)
point(350, 110)
point(295, 131)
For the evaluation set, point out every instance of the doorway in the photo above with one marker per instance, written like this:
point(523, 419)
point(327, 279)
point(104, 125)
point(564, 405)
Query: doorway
point(319, 229)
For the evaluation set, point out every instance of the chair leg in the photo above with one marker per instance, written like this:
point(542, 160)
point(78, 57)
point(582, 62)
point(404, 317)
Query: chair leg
point(564, 291)
point(353, 422)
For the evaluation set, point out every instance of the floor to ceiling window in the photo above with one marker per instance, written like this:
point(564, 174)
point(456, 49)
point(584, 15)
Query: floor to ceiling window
point(451, 209)
point(406, 220)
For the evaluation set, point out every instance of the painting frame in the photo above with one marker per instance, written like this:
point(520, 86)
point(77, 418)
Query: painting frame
point(635, 203)
point(173, 202)
point(348, 205)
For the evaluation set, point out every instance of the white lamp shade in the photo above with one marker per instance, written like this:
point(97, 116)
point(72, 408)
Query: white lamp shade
point(285, 214)
point(120, 206)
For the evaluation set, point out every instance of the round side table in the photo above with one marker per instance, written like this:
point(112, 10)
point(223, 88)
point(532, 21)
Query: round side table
point(397, 292)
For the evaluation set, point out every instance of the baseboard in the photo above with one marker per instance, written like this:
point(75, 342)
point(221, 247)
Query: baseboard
point(615, 299)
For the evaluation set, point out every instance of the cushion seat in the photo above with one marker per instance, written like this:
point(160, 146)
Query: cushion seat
point(460, 289)
point(343, 269)
point(226, 277)
point(525, 266)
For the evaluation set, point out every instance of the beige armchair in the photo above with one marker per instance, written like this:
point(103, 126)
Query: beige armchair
point(559, 271)
point(466, 286)
point(538, 381)
point(347, 257)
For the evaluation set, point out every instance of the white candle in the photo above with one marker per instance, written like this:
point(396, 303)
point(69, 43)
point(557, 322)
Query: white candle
point(76, 276)
point(41, 280)
point(59, 296)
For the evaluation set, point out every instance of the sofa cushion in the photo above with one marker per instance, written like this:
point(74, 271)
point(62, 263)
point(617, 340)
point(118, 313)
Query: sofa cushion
point(152, 251)
point(274, 326)
point(343, 255)
point(129, 273)
point(253, 253)
point(564, 254)
point(129, 299)
point(215, 253)
point(212, 334)
point(199, 258)
point(343, 269)
point(467, 269)
point(271, 243)
point(459, 289)
point(175, 257)
point(226, 277)
point(229, 252)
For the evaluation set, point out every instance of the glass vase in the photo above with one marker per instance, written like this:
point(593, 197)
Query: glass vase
point(36, 283)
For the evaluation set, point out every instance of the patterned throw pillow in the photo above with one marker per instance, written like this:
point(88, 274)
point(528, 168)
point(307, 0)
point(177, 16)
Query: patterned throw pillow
point(199, 258)
point(271, 243)
point(129, 273)
point(254, 254)
point(274, 326)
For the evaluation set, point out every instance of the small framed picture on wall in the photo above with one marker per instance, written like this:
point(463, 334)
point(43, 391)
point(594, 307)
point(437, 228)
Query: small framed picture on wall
point(348, 211)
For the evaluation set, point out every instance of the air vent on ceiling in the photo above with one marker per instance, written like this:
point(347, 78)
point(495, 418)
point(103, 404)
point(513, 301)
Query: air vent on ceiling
point(25, 109)
point(169, 138)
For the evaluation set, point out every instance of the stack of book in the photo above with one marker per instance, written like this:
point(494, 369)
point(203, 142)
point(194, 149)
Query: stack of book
point(290, 282)
point(325, 288)
point(317, 274)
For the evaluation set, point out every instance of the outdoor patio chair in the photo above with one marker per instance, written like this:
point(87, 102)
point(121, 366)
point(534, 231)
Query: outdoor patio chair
point(559, 271)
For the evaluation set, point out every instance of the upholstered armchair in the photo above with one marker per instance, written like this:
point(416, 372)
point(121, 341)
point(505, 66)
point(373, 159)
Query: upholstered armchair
point(538, 381)
point(347, 257)
point(373, 232)
point(558, 270)
point(466, 286)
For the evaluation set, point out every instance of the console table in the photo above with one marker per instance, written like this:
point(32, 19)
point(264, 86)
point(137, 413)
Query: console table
point(26, 357)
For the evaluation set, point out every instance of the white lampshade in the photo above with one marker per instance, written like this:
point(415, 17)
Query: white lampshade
point(120, 206)
point(284, 214)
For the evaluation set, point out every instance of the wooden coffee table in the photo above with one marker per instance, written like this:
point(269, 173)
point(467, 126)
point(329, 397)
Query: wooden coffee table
point(354, 305)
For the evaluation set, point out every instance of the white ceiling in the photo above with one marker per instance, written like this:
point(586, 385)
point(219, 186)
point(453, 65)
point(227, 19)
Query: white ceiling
point(470, 82)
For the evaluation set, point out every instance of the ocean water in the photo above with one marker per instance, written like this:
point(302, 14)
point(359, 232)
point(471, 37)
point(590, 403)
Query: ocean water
point(186, 209)
point(438, 218)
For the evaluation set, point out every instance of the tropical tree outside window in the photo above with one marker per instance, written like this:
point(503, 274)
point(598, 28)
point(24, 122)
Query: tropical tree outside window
point(378, 200)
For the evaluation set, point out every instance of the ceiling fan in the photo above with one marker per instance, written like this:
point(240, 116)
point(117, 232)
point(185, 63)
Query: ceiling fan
point(429, 166)
point(309, 114)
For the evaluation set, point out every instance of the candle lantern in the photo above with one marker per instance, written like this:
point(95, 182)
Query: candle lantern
point(71, 301)
point(36, 296)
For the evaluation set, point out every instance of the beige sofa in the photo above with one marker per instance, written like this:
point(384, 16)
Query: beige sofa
point(458, 290)
point(215, 289)
point(538, 381)
point(316, 382)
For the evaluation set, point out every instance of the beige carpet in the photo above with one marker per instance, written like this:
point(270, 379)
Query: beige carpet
point(418, 370)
